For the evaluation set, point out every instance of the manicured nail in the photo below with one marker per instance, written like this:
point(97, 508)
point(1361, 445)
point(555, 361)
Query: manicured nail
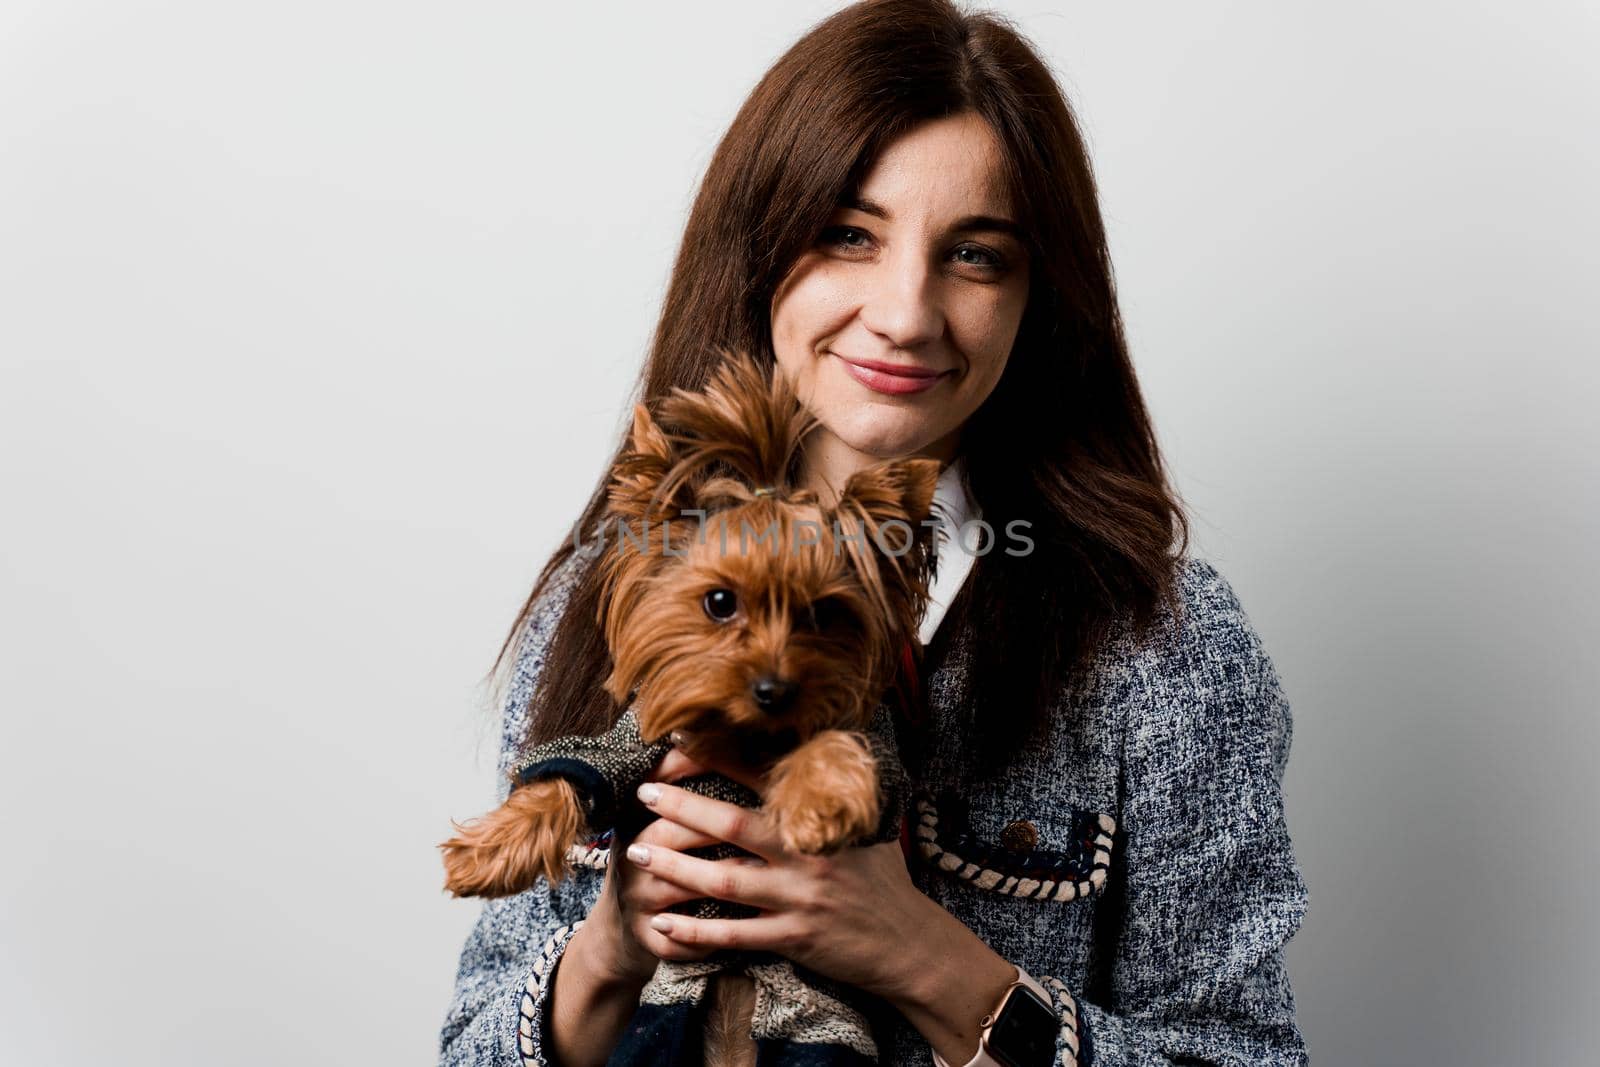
point(639, 854)
point(661, 923)
point(649, 792)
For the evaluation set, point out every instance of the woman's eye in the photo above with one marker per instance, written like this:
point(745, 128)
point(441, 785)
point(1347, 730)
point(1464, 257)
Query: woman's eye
point(986, 259)
point(720, 604)
point(846, 236)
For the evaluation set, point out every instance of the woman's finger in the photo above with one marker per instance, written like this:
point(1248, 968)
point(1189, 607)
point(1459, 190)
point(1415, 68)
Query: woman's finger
point(673, 835)
point(728, 880)
point(645, 891)
point(677, 763)
point(646, 894)
point(674, 765)
point(748, 777)
point(761, 933)
point(748, 828)
point(663, 947)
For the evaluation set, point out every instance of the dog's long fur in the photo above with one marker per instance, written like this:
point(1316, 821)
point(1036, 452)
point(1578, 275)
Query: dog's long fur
point(823, 612)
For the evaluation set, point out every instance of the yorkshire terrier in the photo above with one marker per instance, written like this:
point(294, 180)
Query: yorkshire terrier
point(755, 625)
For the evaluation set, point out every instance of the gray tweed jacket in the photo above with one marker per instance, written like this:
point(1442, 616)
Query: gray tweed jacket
point(1136, 859)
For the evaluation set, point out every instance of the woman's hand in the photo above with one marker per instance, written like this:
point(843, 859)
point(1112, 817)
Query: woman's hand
point(598, 979)
point(854, 915)
point(619, 941)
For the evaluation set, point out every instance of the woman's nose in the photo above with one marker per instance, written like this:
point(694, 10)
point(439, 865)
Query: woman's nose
point(903, 302)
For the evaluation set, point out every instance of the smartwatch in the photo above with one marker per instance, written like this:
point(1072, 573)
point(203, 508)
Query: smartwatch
point(1020, 1032)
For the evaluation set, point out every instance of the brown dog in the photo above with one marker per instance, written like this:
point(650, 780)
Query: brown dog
point(741, 612)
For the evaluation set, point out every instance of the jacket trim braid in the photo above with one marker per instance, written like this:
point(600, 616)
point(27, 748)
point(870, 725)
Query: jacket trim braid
point(594, 854)
point(530, 1036)
point(1076, 1048)
point(1041, 874)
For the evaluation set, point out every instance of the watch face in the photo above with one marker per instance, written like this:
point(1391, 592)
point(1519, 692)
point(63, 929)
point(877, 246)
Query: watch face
point(1025, 1033)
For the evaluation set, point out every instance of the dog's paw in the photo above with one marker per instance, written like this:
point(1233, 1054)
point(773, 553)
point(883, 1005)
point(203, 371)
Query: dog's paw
point(824, 794)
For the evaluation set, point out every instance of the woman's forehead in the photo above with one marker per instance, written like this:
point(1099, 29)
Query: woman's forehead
point(943, 170)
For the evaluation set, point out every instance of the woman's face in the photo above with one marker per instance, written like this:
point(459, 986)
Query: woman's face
point(898, 324)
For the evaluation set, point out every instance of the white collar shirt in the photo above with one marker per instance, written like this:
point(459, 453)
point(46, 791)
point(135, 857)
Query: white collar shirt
point(954, 509)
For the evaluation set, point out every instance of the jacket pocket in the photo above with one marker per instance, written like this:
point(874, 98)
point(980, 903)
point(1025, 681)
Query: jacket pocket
point(1070, 861)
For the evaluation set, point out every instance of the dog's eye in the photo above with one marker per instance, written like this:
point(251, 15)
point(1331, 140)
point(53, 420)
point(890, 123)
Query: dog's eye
point(827, 613)
point(721, 604)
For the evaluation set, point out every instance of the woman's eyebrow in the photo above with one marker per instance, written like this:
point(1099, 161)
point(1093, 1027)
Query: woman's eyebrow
point(966, 224)
point(987, 222)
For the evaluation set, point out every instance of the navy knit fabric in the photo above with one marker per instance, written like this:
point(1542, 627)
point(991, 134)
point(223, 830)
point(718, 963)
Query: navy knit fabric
point(1160, 779)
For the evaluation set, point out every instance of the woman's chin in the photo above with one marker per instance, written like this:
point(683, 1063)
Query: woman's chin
point(887, 442)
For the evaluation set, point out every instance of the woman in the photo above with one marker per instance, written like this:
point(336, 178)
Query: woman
point(902, 218)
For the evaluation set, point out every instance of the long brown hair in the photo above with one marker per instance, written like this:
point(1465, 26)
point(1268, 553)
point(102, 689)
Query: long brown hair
point(1064, 442)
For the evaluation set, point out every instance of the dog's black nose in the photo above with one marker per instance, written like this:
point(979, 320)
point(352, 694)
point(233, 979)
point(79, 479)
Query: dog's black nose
point(773, 694)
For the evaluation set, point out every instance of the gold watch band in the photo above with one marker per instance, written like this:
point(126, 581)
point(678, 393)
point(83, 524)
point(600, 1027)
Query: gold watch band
point(983, 1058)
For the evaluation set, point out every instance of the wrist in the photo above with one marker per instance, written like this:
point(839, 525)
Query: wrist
point(607, 962)
point(1021, 1029)
point(953, 975)
point(590, 1000)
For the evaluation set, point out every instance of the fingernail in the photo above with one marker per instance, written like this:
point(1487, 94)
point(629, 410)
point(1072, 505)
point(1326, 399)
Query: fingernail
point(661, 923)
point(639, 854)
point(676, 737)
point(649, 792)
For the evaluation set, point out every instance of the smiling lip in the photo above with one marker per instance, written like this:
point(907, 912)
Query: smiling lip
point(892, 378)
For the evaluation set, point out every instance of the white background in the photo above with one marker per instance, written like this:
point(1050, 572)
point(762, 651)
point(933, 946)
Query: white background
point(317, 321)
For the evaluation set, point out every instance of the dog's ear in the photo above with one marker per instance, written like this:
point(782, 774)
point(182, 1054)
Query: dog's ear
point(899, 492)
point(899, 489)
point(646, 438)
point(894, 565)
point(637, 488)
